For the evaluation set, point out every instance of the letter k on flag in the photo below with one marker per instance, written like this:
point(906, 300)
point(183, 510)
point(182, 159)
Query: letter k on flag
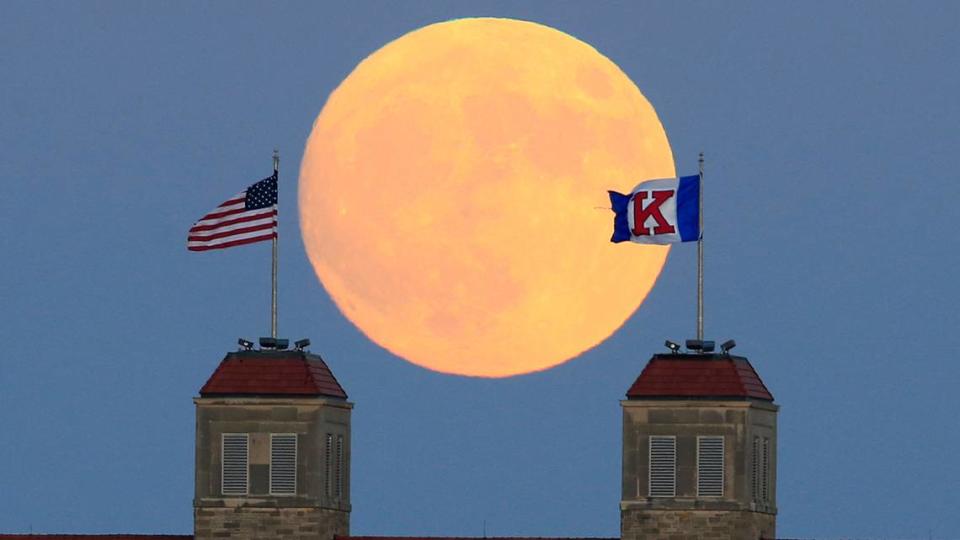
point(658, 212)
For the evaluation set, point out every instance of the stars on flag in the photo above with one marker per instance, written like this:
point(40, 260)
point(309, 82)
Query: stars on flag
point(247, 217)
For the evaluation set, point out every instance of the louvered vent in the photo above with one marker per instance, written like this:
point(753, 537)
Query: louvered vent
point(234, 463)
point(765, 472)
point(328, 469)
point(756, 469)
point(663, 466)
point(710, 466)
point(283, 464)
point(339, 466)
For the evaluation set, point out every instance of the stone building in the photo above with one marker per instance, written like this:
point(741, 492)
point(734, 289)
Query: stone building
point(272, 449)
point(699, 450)
point(273, 452)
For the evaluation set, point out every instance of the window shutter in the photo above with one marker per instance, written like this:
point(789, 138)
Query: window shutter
point(710, 466)
point(328, 469)
point(283, 464)
point(233, 463)
point(663, 467)
point(765, 476)
point(339, 466)
point(756, 469)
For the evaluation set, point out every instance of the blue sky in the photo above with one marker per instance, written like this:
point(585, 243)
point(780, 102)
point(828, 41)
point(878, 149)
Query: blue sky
point(831, 137)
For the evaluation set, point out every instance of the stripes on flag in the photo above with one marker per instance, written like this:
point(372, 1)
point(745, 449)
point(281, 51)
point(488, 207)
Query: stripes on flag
point(660, 211)
point(248, 217)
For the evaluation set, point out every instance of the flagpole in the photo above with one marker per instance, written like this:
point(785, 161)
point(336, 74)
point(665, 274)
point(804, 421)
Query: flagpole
point(700, 258)
point(273, 276)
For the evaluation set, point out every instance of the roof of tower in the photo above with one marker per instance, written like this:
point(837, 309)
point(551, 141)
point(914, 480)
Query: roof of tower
point(273, 373)
point(698, 376)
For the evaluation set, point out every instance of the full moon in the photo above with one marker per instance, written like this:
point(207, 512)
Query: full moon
point(453, 196)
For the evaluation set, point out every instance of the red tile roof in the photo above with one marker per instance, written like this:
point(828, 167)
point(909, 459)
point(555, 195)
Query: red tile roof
point(273, 373)
point(698, 376)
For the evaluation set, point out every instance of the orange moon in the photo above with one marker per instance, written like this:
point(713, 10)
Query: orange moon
point(452, 194)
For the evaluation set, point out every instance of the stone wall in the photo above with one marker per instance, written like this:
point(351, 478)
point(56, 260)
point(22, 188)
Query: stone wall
point(638, 524)
point(310, 418)
point(246, 523)
point(320, 508)
point(740, 512)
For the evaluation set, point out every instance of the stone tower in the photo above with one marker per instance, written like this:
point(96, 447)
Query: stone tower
point(699, 451)
point(272, 449)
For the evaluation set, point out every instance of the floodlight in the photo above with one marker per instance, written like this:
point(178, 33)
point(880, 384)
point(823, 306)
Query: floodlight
point(246, 344)
point(675, 347)
point(268, 343)
point(302, 344)
point(709, 346)
point(282, 344)
point(727, 345)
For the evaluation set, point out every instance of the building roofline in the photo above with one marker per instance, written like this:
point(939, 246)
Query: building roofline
point(686, 376)
point(272, 373)
point(338, 537)
point(112, 536)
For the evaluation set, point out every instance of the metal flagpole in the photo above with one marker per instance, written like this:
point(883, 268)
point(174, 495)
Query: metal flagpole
point(273, 280)
point(699, 258)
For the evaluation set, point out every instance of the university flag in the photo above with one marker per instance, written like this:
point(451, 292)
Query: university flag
point(247, 217)
point(658, 212)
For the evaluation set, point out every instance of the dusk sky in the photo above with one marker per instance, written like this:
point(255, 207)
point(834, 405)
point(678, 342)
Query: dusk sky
point(831, 141)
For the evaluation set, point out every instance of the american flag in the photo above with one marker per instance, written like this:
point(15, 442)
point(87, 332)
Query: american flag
point(248, 217)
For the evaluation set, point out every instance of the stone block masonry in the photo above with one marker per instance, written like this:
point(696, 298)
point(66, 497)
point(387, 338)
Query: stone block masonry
point(712, 472)
point(238, 523)
point(318, 508)
point(697, 525)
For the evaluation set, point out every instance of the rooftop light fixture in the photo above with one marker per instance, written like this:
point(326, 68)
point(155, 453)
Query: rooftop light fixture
point(701, 346)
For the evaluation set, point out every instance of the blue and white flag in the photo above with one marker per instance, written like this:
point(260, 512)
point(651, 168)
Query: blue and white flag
point(658, 212)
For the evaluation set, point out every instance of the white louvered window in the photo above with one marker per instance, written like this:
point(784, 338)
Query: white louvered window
point(663, 467)
point(233, 463)
point(755, 484)
point(328, 469)
point(283, 464)
point(710, 466)
point(339, 466)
